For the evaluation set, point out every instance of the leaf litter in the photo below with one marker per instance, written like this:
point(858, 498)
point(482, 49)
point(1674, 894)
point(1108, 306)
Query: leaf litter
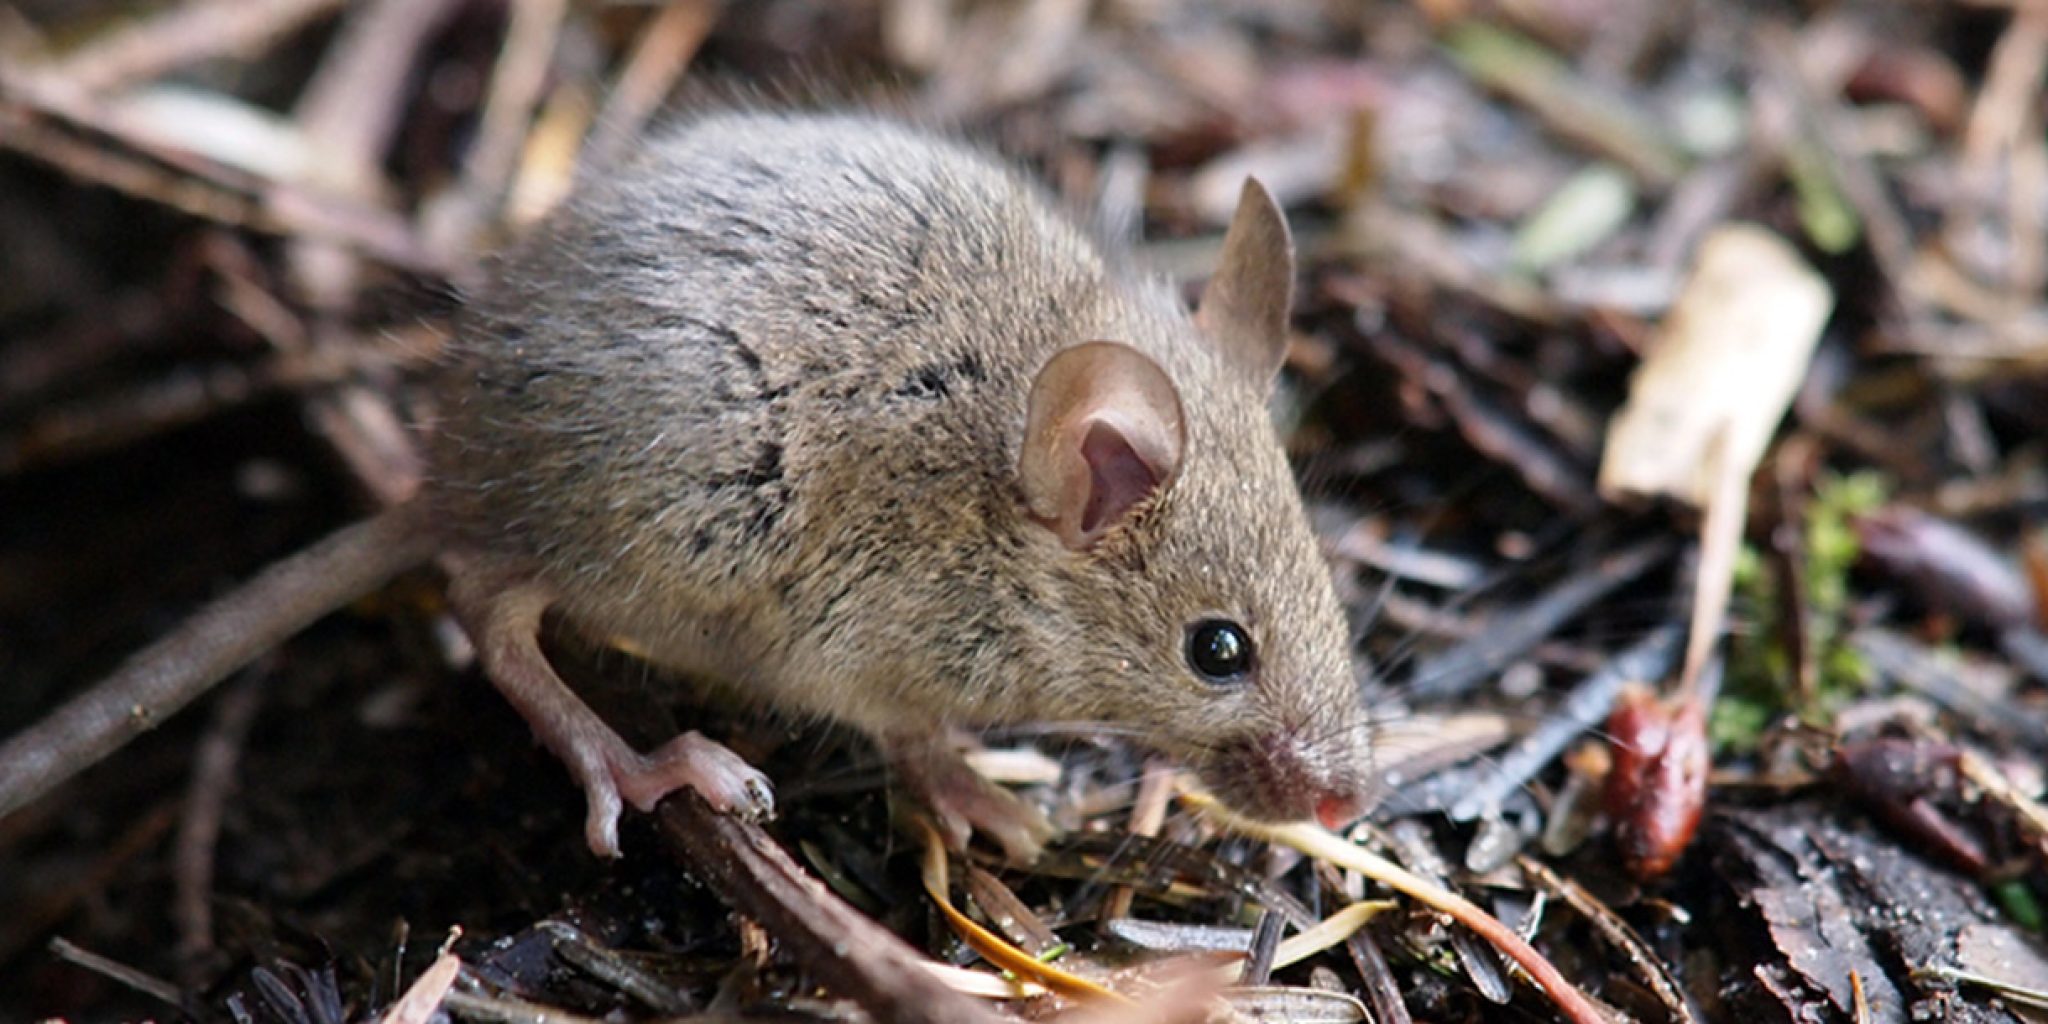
point(223, 224)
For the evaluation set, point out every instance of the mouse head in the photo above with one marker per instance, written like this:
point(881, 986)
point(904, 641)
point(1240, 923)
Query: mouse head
point(1213, 629)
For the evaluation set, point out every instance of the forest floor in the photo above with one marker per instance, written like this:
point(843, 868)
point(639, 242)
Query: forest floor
point(1669, 386)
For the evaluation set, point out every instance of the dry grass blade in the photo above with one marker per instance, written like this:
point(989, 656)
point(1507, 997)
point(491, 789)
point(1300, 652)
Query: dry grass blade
point(1329, 932)
point(424, 998)
point(982, 984)
point(992, 946)
point(1319, 843)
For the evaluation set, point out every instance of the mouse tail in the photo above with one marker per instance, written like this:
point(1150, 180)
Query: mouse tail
point(212, 644)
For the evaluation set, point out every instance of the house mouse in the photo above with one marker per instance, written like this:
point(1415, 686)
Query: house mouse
point(850, 418)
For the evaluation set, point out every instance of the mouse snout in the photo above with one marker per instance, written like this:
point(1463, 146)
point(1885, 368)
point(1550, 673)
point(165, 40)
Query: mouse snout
point(1341, 807)
point(1272, 778)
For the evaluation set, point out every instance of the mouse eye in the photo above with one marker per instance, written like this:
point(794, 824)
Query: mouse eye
point(1219, 651)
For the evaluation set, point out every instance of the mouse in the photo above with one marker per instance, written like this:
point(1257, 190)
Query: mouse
point(850, 418)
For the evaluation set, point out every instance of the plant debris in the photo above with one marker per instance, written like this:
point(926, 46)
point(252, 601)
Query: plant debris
point(1785, 268)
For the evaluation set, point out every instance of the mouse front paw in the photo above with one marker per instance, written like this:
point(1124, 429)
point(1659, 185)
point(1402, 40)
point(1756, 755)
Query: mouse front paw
point(1021, 829)
point(964, 802)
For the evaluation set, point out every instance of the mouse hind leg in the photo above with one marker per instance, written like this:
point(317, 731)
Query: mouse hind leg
point(503, 618)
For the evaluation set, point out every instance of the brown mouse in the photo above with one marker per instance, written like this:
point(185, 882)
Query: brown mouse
point(852, 419)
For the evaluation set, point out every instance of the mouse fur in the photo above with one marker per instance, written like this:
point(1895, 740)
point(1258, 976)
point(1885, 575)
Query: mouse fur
point(755, 403)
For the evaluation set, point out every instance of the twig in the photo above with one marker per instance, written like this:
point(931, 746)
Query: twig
point(52, 907)
point(100, 423)
point(849, 953)
point(1818, 121)
point(1148, 813)
point(147, 984)
point(2004, 123)
point(1003, 909)
point(1648, 965)
point(1908, 663)
point(1574, 107)
point(516, 84)
point(1792, 472)
point(1153, 865)
point(630, 975)
point(1327, 933)
point(2030, 812)
point(160, 679)
point(71, 350)
point(658, 60)
point(1409, 840)
point(196, 187)
point(1648, 659)
point(349, 111)
point(1412, 244)
point(1380, 987)
point(2034, 996)
point(213, 782)
point(1517, 630)
point(1257, 968)
point(179, 37)
point(1701, 200)
point(502, 1010)
point(352, 105)
point(1533, 456)
point(28, 131)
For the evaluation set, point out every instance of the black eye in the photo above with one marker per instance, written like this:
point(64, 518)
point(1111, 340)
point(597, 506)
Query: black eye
point(1219, 651)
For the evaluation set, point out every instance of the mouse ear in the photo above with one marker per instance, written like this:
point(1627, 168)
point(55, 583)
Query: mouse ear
point(1244, 307)
point(1104, 433)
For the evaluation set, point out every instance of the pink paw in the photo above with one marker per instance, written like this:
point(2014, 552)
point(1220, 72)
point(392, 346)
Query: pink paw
point(726, 781)
point(1021, 829)
point(964, 802)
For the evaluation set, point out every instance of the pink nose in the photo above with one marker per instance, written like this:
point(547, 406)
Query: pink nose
point(1336, 810)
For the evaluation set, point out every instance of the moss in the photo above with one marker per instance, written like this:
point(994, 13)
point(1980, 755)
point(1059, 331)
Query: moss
point(1760, 685)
